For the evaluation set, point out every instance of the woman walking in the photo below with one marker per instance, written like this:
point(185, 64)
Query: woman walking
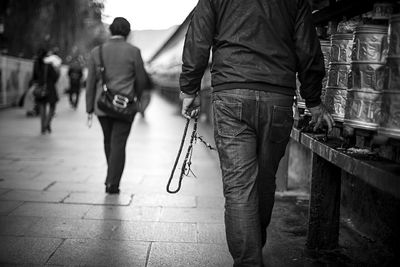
point(46, 75)
point(124, 74)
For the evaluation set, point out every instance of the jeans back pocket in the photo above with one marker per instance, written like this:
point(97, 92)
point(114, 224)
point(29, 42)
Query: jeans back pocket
point(227, 118)
point(281, 125)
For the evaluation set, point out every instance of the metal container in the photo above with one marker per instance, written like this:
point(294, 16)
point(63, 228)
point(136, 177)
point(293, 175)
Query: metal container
point(392, 74)
point(382, 11)
point(335, 102)
point(394, 36)
point(363, 109)
point(367, 76)
point(390, 122)
point(370, 44)
point(301, 102)
point(338, 75)
point(341, 48)
point(326, 51)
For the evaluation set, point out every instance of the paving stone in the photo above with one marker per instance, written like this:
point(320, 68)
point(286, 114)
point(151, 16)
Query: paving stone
point(17, 175)
point(192, 215)
point(27, 250)
point(59, 176)
point(156, 231)
point(211, 233)
point(124, 213)
point(73, 228)
point(34, 196)
point(24, 184)
point(51, 210)
point(163, 200)
point(210, 202)
point(8, 206)
point(15, 225)
point(77, 187)
point(99, 198)
point(3, 191)
point(96, 252)
point(189, 254)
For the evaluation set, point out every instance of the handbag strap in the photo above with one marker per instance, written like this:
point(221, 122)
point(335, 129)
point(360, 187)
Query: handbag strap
point(102, 68)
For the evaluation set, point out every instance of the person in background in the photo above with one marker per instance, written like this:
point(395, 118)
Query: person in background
point(45, 73)
point(125, 74)
point(146, 95)
point(258, 47)
point(75, 74)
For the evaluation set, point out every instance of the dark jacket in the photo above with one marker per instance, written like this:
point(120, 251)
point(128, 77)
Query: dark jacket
point(124, 72)
point(46, 74)
point(256, 44)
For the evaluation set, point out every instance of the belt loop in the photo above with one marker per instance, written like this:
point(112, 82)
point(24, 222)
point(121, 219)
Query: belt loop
point(257, 95)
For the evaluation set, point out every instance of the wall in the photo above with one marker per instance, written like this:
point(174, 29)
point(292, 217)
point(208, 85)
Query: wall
point(15, 75)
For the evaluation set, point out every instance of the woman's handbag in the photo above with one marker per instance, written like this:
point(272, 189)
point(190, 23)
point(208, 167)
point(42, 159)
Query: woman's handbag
point(40, 92)
point(116, 105)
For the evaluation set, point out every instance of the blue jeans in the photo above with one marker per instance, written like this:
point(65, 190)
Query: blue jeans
point(251, 130)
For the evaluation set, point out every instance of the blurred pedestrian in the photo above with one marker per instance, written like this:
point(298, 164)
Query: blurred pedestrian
point(125, 74)
point(75, 74)
point(146, 95)
point(258, 46)
point(45, 73)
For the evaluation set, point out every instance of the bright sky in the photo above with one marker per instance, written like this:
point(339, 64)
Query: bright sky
point(149, 14)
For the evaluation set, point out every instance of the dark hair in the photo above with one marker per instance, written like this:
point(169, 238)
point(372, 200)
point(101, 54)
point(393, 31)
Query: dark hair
point(120, 26)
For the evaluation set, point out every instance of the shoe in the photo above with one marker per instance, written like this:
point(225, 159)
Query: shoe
point(48, 128)
point(112, 189)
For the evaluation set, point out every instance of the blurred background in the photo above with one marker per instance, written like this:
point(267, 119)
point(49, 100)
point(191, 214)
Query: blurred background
point(72, 28)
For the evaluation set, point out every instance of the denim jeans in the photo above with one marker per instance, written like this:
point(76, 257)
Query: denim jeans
point(251, 130)
point(116, 133)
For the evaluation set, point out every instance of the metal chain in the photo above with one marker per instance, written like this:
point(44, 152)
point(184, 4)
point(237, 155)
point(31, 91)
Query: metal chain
point(186, 165)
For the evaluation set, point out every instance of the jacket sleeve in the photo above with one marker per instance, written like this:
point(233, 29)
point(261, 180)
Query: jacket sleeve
point(141, 76)
point(91, 85)
point(196, 51)
point(310, 61)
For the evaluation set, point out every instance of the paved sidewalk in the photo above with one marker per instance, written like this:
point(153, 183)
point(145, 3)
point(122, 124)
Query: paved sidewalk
point(53, 209)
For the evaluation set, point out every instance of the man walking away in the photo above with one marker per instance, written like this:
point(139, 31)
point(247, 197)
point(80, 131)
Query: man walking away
point(258, 46)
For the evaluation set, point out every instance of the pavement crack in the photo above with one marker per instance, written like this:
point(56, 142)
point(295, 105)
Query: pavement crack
point(148, 254)
point(50, 185)
point(51, 255)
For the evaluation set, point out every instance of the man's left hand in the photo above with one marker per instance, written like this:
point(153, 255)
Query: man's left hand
point(190, 106)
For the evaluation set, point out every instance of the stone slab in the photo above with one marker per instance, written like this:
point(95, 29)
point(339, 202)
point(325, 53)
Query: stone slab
point(73, 228)
point(163, 200)
point(27, 250)
point(8, 206)
point(3, 191)
point(124, 213)
point(192, 215)
point(210, 202)
point(17, 175)
point(51, 210)
point(99, 199)
point(189, 254)
point(96, 252)
point(211, 233)
point(15, 225)
point(34, 196)
point(77, 187)
point(24, 184)
point(156, 231)
point(59, 176)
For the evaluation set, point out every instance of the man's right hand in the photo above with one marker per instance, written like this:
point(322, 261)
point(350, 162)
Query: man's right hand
point(320, 114)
